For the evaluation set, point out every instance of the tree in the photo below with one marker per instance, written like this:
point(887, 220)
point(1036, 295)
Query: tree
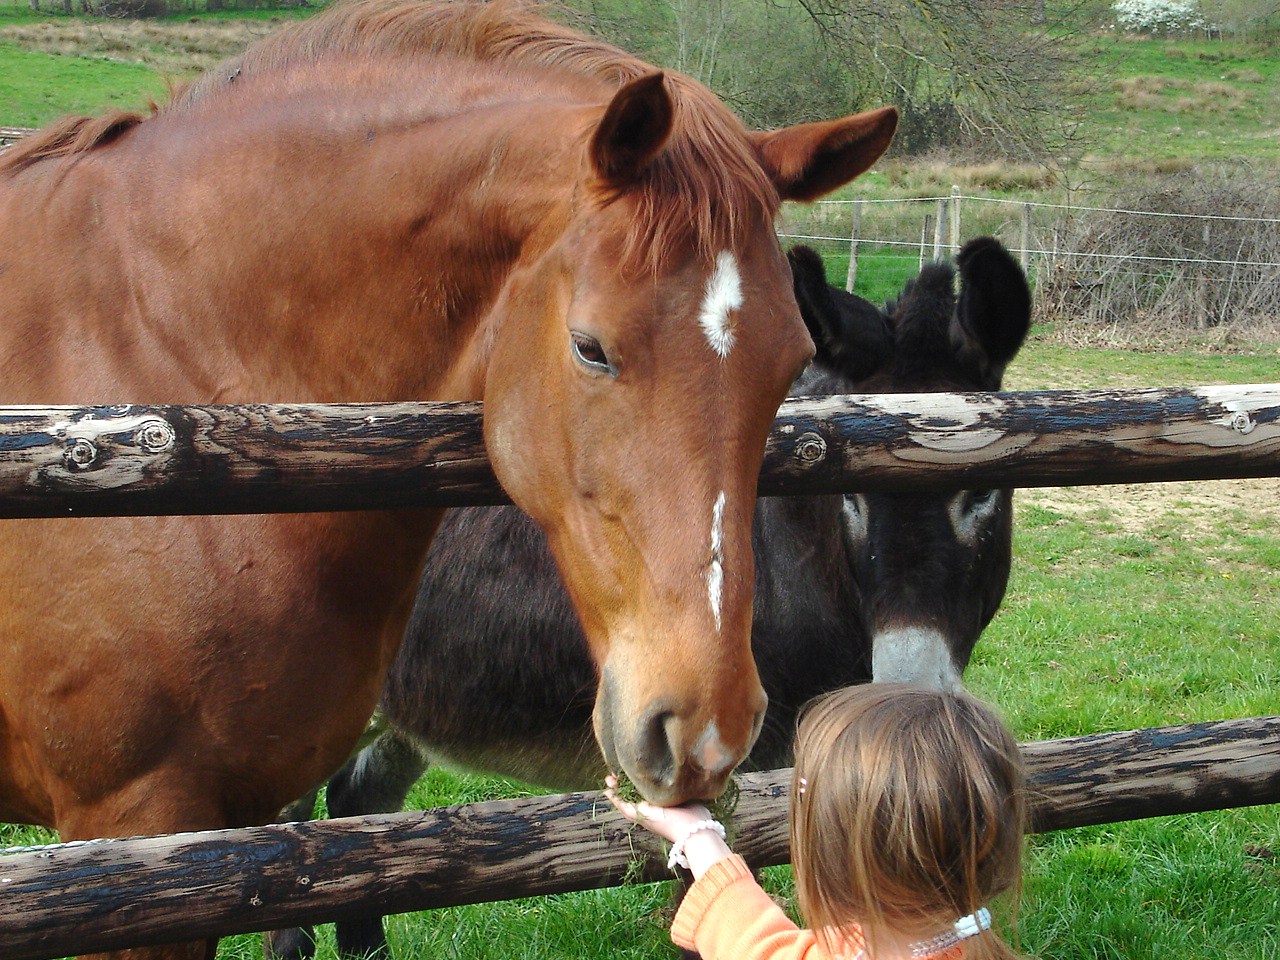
point(986, 72)
point(1242, 17)
point(766, 58)
point(1158, 16)
point(981, 72)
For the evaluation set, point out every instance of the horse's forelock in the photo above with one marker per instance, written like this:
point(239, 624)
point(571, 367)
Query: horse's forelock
point(705, 192)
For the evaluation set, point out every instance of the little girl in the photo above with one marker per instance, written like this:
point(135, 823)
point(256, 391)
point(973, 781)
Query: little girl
point(906, 819)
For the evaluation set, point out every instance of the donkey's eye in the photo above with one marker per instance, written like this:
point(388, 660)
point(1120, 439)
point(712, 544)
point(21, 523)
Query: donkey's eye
point(978, 499)
point(589, 353)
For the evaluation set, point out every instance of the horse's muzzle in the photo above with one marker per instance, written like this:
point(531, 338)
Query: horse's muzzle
point(670, 758)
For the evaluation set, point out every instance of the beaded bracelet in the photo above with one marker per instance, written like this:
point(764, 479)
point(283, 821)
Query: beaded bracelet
point(676, 857)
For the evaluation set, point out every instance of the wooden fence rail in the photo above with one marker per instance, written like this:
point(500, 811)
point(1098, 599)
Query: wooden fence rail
point(259, 458)
point(110, 894)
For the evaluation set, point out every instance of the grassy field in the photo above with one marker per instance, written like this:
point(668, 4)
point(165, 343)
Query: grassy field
point(1173, 103)
point(53, 65)
point(37, 87)
point(1128, 606)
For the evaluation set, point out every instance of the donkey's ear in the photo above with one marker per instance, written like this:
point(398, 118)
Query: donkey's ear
point(811, 159)
point(993, 313)
point(851, 335)
point(633, 131)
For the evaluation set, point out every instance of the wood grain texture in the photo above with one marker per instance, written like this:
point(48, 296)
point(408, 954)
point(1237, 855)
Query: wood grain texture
point(268, 458)
point(80, 897)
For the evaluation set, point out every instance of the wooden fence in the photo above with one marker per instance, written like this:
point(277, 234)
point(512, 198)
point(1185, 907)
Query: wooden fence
point(134, 460)
point(258, 458)
point(111, 894)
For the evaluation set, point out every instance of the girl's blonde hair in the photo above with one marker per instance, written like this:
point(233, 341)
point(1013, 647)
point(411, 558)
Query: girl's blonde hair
point(907, 813)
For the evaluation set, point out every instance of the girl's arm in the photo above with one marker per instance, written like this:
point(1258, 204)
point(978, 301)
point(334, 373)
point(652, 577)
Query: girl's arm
point(725, 914)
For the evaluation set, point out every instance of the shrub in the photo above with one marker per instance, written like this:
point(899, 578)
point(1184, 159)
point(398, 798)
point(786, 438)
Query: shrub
point(126, 8)
point(1199, 269)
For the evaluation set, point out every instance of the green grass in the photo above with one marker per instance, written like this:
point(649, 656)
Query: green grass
point(38, 87)
point(1055, 366)
point(1180, 99)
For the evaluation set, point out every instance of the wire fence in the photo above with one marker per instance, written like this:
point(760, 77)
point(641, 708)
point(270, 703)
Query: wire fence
point(1104, 264)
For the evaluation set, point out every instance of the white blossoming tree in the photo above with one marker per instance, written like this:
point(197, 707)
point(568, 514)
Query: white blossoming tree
point(1158, 16)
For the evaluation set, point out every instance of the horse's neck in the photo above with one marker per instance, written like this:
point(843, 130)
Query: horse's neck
point(303, 258)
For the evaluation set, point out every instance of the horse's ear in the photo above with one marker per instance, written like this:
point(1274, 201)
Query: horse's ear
point(634, 129)
point(993, 313)
point(851, 336)
point(812, 159)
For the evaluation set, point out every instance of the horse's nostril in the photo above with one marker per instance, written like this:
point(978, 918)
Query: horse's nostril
point(654, 748)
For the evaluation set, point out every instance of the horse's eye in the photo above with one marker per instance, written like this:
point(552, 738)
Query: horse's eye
point(589, 353)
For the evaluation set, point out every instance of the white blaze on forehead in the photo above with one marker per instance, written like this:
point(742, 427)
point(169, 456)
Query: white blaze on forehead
point(715, 572)
point(722, 297)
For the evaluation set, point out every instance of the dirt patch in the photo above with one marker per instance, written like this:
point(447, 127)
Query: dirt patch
point(1133, 507)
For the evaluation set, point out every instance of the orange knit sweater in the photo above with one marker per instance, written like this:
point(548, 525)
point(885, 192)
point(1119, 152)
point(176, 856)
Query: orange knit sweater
point(727, 916)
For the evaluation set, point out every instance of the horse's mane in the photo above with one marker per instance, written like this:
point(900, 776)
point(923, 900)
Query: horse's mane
point(68, 136)
point(705, 189)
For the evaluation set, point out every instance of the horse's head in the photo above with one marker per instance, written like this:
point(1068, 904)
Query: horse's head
point(930, 569)
point(638, 362)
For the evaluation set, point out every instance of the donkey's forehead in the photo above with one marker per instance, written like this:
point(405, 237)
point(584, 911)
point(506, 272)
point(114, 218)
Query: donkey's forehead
point(923, 310)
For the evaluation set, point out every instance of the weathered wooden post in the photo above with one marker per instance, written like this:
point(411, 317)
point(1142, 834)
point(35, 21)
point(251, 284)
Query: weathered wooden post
point(162, 460)
point(1024, 254)
point(955, 219)
point(855, 232)
point(113, 894)
point(940, 228)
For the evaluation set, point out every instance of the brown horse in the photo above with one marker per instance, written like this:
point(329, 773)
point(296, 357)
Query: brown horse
point(397, 200)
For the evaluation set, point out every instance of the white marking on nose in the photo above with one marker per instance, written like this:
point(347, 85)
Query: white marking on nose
point(723, 296)
point(710, 751)
point(914, 655)
point(715, 572)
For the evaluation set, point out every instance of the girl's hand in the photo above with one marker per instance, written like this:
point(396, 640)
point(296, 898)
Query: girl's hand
point(702, 849)
point(667, 822)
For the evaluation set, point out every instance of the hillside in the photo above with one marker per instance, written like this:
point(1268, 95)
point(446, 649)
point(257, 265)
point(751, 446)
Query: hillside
point(1145, 104)
point(1182, 125)
point(1154, 104)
